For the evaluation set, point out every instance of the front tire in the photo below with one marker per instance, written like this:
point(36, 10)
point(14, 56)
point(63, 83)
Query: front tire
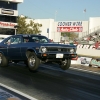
point(65, 64)
point(33, 62)
point(3, 61)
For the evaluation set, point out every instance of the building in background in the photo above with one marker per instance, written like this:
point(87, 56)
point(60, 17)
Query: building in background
point(50, 28)
point(82, 28)
point(8, 16)
point(55, 28)
point(94, 24)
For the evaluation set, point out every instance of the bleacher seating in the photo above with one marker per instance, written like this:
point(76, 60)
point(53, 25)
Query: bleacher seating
point(93, 35)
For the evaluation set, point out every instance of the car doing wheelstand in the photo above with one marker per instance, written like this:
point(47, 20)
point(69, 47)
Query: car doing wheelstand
point(34, 49)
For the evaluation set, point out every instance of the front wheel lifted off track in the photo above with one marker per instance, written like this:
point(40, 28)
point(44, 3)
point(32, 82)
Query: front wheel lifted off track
point(33, 62)
point(65, 64)
point(3, 61)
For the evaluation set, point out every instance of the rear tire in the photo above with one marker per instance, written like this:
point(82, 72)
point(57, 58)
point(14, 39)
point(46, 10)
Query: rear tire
point(33, 62)
point(4, 61)
point(65, 64)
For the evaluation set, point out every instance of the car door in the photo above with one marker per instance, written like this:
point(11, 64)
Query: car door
point(14, 48)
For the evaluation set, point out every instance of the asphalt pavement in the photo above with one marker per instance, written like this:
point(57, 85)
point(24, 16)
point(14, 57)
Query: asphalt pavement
point(8, 93)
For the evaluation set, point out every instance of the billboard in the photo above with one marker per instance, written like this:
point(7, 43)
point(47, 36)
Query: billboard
point(6, 11)
point(7, 24)
point(72, 26)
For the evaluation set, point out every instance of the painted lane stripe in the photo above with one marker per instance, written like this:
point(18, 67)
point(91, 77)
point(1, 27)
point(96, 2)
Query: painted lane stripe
point(80, 73)
point(18, 92)
point(85, 70)
point(4, 95)
point(51, 67)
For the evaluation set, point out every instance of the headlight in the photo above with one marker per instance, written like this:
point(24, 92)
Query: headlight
point(71, 50)
point(43, 49)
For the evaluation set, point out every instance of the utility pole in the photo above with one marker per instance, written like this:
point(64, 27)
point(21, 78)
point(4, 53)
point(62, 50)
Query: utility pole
point(55, 25)
point(15, 27)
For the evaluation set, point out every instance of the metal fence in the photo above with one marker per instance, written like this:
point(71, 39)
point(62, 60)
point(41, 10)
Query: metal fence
point(91, 32)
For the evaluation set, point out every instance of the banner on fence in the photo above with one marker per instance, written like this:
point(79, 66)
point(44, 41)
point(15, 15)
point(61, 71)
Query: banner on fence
point(95, 62)
point(84, 61)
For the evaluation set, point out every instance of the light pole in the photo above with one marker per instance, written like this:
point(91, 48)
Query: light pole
point(55, 25)
point(15, 27)
point(48, 32)
point(15, 30)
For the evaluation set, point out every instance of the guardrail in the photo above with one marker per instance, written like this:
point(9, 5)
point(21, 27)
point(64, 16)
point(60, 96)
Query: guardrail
point(88, 55)
point(88, 51)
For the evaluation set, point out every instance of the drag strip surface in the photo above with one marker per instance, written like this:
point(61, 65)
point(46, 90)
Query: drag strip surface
point(51, 84)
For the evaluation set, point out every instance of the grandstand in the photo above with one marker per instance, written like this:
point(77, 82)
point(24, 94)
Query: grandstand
point(90, 37)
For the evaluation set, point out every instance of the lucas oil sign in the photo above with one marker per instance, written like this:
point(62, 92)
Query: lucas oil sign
point(70, 26)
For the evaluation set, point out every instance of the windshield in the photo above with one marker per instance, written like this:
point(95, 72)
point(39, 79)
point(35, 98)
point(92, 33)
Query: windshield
point(37, 39)
point(1, 39)
point(40, 39)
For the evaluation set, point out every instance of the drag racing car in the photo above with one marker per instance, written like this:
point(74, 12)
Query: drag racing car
point(33, 50)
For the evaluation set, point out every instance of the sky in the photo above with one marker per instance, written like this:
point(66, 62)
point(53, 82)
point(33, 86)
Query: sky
point(60, 10)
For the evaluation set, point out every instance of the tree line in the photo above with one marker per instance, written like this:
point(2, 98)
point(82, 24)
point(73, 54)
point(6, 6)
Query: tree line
point(26, 26)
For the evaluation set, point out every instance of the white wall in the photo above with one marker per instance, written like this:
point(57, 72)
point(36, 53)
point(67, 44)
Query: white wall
point(48, 24)
point(85, 25)
point(52, 25)
point(94, 24)
point(88, 52)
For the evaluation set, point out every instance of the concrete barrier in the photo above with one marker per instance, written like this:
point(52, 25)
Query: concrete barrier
point(88, 51)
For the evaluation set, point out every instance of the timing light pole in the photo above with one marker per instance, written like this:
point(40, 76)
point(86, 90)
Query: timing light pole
point(15, 27)
point(55, 25)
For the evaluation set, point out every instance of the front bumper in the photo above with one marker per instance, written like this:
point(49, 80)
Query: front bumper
point(54, 55)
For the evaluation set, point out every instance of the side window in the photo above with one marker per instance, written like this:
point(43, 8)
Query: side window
point(26, 40)
point(13, 40)
point(43, 41)
point(8, 41)
point(35, 39)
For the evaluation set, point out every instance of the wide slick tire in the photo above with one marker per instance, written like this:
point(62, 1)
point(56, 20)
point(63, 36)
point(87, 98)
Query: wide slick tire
point(3, 61)
point(33, 62)
point(65, 64)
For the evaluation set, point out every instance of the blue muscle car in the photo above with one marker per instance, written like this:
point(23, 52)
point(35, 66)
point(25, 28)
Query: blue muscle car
point(34, 49)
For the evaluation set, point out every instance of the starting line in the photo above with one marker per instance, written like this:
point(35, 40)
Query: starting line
point(8, 93)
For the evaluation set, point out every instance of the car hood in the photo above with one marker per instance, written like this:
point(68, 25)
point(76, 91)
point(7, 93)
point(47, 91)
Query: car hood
point(57, 45)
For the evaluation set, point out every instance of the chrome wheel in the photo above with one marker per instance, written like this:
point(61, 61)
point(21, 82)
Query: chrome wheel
point(3, 61)
point(32, 61)
point(65, 64)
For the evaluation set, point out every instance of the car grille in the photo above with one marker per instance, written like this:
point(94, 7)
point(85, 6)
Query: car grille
point(56, 49)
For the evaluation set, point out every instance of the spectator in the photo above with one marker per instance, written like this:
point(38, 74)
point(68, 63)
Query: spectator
point(66, 42)
point(75, 42)
point(26, 40)
point(96, 44)
point(96, 34)
point(51, 40)
point(89, 38)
